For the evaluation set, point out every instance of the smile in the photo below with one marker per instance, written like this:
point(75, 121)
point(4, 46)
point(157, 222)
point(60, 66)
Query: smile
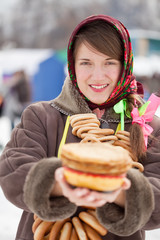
point(99, 87)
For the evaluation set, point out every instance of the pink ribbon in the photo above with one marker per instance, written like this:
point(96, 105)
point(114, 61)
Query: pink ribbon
point(146, 117)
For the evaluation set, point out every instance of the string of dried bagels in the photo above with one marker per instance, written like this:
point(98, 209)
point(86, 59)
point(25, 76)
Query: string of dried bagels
point(85, 226)
point(87, 127)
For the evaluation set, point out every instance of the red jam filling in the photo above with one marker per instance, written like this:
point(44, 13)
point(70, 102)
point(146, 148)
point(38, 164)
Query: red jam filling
point(93, 174)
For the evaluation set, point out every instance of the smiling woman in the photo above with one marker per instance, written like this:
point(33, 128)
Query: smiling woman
point(100, 94)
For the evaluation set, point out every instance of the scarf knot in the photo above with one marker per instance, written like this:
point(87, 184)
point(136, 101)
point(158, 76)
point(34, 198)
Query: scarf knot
point(98, 112)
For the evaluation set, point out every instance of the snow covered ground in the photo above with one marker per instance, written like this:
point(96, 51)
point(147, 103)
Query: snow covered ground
point(10, 215)
point(9, 218)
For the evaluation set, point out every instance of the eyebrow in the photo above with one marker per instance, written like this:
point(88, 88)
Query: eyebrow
point(83, 59)
point(87, 59)
point(110, 58)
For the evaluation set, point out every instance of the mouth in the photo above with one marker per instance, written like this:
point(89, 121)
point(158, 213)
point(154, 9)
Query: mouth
point(99, 86)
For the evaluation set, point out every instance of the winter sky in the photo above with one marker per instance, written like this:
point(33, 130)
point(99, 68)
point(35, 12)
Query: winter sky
point(7, 5)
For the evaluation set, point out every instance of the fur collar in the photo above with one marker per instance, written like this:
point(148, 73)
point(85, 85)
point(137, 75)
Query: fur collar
point(70, 101)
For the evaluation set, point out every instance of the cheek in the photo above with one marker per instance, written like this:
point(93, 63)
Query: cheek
point(79, 78)
point(115, 76)
point(81, 74)
point(77, 72)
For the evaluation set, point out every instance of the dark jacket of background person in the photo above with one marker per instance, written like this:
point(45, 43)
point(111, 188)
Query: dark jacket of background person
point(17, 95)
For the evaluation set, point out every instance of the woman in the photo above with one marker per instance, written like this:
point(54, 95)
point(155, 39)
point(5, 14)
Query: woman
point(100, 76)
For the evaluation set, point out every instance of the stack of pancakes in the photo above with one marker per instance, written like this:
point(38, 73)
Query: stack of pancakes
point(97, 166)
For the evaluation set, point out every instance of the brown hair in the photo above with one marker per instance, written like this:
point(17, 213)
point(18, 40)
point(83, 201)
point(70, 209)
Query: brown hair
point(136, 132)
point(103, 37)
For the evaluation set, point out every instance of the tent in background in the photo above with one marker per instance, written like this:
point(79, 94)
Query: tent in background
point(48, 81)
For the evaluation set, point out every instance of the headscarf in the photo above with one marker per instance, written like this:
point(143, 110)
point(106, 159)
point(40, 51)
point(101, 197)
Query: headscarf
point(127, 83)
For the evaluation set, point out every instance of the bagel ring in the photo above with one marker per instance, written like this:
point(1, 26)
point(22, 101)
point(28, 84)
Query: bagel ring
point(90, 138)
point(42, 230)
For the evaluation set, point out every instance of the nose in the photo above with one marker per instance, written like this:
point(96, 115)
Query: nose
point(98, 73)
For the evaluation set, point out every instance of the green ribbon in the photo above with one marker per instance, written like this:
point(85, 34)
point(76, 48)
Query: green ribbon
point(143, 108)
point(120, 108)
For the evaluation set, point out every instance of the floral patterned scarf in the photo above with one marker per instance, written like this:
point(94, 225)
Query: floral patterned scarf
point(127, 83)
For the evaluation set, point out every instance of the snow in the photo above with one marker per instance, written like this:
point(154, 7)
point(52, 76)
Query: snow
point(9, 218)
point(10, 214)
point(12, 60)
point(146, 65)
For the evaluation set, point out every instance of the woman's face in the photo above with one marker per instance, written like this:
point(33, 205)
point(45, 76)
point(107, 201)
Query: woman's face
point(97, 74)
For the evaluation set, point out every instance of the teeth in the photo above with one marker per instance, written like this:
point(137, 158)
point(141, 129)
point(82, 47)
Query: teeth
point(99, 87)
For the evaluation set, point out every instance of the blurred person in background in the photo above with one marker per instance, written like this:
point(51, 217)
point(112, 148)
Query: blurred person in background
point(1, 104)
point(100, 70)
point(150, 83)
point(144, 80)
point(17, 96)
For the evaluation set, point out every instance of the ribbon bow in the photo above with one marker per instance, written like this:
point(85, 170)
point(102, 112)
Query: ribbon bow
point(145, 114)
point(120, 107)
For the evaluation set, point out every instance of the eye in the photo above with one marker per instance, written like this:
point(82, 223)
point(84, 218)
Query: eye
point(85, 63)
point(110, 63)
